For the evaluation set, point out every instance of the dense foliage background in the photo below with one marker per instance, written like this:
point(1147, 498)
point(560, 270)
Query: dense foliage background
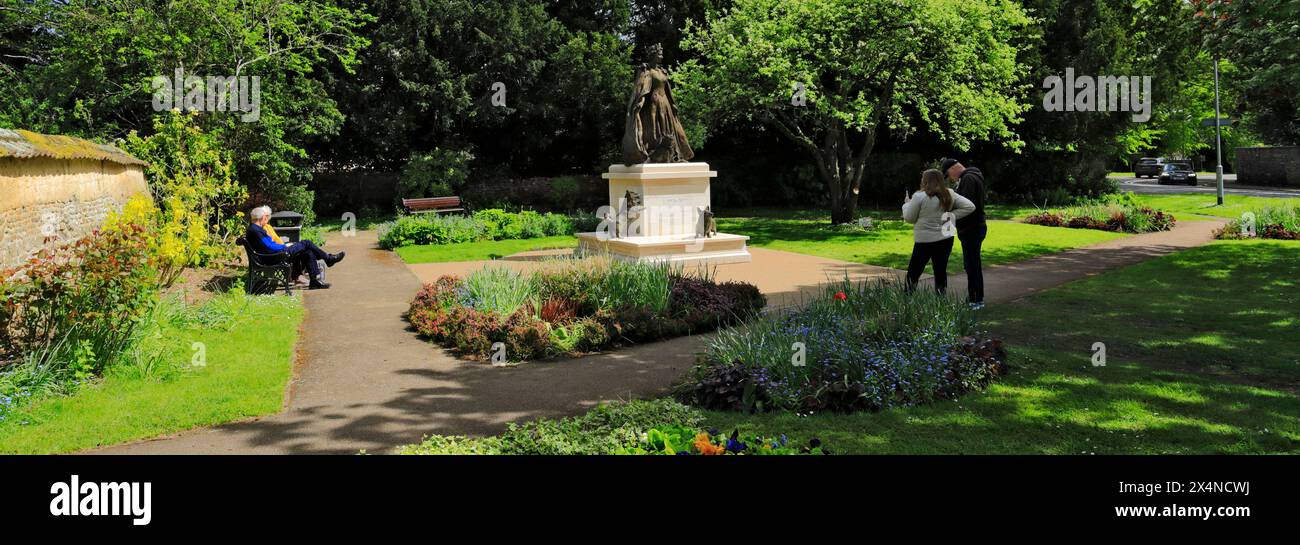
point(514, 89)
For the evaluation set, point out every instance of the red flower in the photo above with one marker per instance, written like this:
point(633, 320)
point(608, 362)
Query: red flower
point(839, 296)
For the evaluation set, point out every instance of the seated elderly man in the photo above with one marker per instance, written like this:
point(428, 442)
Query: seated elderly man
point(265, 240)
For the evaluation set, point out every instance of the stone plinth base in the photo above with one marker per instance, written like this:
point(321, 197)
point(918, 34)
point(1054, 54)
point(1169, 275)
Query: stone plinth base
point(657, 212)
point(684, 249)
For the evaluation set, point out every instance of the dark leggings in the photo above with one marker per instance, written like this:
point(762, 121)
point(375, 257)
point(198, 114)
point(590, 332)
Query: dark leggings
point(930, 252)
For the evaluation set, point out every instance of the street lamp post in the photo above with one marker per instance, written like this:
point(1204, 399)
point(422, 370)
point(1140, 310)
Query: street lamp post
point(1213, 24)
point(1218, 125)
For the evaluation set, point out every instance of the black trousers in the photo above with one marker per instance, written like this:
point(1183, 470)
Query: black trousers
point(972, 240)
point(936, 253)
point(309, 253)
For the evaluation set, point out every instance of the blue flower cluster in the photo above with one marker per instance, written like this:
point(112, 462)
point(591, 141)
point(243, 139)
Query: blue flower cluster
point(11, 401)
point(857, 347)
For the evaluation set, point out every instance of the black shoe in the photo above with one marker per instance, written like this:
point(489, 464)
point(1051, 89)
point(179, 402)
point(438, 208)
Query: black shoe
point(318, 284)
point(331, 259)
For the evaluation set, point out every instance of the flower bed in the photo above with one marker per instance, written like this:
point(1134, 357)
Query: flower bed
point(858, 346)
point(1280, 222)
point(1118, 214)
point(490, 224)
point(572, 306)
point(660, 426)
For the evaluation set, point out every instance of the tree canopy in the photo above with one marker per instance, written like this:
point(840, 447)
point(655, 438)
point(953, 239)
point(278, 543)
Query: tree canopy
point(832, 75)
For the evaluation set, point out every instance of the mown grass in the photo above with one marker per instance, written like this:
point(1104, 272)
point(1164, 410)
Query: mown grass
point(1202, 357)
point(1188, 207)
point(248, 347)
point(890, 243)
point(481, 251)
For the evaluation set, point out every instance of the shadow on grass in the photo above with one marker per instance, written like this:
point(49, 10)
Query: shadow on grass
point(1062, 405)
point(1201, 358)
point(1227, 310)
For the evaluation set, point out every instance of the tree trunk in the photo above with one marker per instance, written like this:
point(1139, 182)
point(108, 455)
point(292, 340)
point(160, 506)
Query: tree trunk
point(843, 172)
point(838, 166)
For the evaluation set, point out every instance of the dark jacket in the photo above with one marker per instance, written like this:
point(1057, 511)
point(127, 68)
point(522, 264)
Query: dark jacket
point(261, 241)
point(972, 187)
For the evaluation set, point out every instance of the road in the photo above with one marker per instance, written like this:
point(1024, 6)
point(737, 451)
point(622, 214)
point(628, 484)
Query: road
point(1148, 186)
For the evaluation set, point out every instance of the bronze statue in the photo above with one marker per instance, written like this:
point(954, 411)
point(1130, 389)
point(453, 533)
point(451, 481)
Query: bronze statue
point(633, 214)
point(653, 133)
point(710, 225)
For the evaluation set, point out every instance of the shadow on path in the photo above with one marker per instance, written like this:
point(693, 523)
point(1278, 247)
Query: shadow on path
point(367, 382)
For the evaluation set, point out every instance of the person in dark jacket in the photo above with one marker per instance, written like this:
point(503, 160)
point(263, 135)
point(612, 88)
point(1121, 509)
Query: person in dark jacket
point(971, 229)
point(304, 250)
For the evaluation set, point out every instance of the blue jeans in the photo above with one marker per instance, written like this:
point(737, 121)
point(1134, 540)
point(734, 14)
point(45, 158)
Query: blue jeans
point(972, 239)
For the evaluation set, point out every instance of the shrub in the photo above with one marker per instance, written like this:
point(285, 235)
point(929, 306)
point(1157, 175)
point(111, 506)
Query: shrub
point(1047, 219)
point(593, 335)
point(489, 224)
point(192, 178)
point(866, 346)
point(472, 332)
point(745, 298)
point(1281, 221)
point(434, 174)
point(564, 191)
point(660, 426)
point(574, 305)
point(528, 338)
point(493, 220)
point(458, 445)
point(170, 246)
point(603, 430)
point(585, 223)
point(430, 229)
point(85, 296)
point(440, 293)
point(1120, 214)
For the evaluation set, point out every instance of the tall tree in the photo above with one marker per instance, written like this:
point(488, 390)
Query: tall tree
point(436, 66)
point(92, 67)
point(833, 75)
point(1068, 154)
point(1260, 37)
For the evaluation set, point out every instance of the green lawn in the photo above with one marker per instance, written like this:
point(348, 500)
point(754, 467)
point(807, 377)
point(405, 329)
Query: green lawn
point(1207, 204)
point(890, 244)
point(249, 347)
point(1202, 357)
point(477, 251)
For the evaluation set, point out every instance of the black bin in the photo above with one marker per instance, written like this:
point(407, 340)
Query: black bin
point(288, 225)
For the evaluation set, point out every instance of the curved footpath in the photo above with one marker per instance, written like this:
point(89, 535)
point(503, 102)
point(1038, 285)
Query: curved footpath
point(364, 381)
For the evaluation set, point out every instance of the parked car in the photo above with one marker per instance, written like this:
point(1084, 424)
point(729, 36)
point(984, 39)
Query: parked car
point(1178, 173)
point(1149, 167)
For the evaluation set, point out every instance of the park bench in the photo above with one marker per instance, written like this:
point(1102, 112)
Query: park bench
point(437, 205)
point(267, 270)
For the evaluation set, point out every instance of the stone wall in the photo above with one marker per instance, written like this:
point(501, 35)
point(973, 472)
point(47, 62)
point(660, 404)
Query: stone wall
point(58, 199)
point(1278, 166)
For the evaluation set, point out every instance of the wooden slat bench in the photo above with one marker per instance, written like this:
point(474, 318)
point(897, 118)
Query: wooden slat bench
point(437, 205)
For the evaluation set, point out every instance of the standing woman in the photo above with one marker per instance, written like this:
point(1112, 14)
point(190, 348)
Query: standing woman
point(934, 210)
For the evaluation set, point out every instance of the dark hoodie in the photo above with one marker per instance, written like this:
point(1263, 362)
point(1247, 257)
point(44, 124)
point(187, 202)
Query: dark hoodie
point(972, 187)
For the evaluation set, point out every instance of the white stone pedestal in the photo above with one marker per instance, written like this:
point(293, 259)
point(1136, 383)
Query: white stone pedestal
point(669, 223)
